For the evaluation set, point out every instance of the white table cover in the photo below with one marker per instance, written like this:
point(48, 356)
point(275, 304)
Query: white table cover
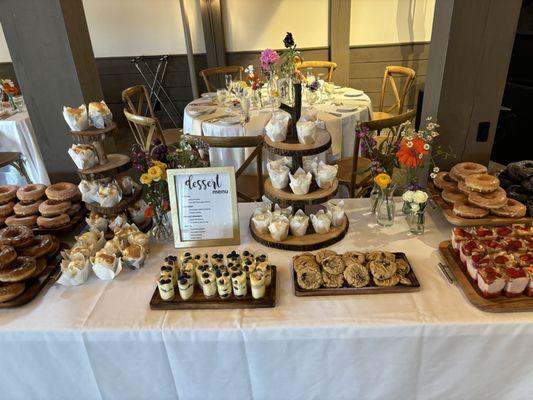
point(16, 134)
point(102, 341)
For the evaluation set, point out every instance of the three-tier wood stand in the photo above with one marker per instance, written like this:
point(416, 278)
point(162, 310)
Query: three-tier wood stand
point(291, 147)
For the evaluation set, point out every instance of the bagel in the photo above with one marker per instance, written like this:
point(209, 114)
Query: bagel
point(31, 193)
point(513, 209)
point(453, 195)
point(464, 169)
point(443, 181)
point(28, 221)
point(53, 222)
point(21, 269)
point(40, 247)
point(51, 208)
point(489, 201)
point(7, 193)
point(16, 236)
point(9, 291)
point(482, 183)
point(61, 191)
point(25, 209)
point(466, 210)
point(6, 209)
point(7, 256)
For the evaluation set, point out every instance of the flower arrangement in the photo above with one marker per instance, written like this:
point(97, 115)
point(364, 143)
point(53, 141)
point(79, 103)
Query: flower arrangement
point(414, 205)
point(384, 203)
point(269, 58)
point(8, 87)
point(289, 56)
point(252, 77)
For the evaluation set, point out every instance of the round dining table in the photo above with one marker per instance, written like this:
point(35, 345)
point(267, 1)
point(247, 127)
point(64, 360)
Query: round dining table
point(340, 112)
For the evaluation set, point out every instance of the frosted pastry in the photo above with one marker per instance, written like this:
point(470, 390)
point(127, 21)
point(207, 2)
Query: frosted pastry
point(126, 184)
point(279, 174)
point(141, 239)
point(209, 284)
point(336, 209)
point(106, 266)
point(100, 115)
point(74, 272)
point(279, 228)
point(134, 256)
point(257, 284)
point(262, 221)
point(79, 249)
point(238, 283)
point(298, 223)
point(282, 211)
point(76, 118)
point(306, 131)
point(116, 222)
point(109, 194)
point(325, 175)
point(276, 128)
point(92, 239)
point(166, 288)
point(83, 155)
point(223, 284)
point(89, 191)
point(136, 212)
point(300, 181)
point(185, 286)
point(321, 221)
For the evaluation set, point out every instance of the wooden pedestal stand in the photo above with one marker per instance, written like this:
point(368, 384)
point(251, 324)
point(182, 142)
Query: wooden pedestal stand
point(291, 147)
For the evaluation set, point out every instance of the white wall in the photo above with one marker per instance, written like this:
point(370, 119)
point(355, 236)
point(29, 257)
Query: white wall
point(258, 24)
point(390, 21)
point(4, 52)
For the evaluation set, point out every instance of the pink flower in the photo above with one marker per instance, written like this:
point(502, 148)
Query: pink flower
point(268, 58)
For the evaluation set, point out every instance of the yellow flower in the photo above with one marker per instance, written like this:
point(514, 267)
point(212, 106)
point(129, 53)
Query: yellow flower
point(382, 180)
point(155, 173)
point(145, 179)
point(160, 164)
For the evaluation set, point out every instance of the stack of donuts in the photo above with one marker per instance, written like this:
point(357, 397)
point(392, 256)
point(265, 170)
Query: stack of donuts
point(23, 256)
point(517, 180)
point(476, 194)
point(37, 205)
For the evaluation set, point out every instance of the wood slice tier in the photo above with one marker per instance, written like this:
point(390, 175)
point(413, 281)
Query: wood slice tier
point(126, 202)
point(293, 147)
point(116, 163)
point(93, 134)
point(316, 195)
point(308, 242)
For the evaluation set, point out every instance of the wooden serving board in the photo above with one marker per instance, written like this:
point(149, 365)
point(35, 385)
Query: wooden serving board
point(472, 292)
point(316, 195)
point(35, 285)
point(199, 302)
point(292, 147)
point(370, 289)
point(493, 220)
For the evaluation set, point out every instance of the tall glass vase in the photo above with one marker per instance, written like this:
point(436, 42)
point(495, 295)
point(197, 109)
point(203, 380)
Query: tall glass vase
point(385, 208)
point(374, 198)
point(417, 222)
point(161, 227)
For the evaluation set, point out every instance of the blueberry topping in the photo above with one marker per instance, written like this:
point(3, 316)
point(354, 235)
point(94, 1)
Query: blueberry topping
point(246, 268)
point(183, 281)
point(218, 273)
point(205, 275)
point(187, 254)
point(246, 253)
point(226, 274)
point(248, 262)
point(234, 275)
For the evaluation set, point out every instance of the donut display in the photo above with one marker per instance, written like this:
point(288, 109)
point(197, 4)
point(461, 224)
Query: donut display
point(31, 193)
point(7, 193)
point(517, 180)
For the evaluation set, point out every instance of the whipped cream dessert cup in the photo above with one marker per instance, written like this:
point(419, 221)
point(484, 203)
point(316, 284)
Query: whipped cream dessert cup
point(185, 286)
point(238, 282)
point(166, 289)
point(257, 284)
point(224, 287)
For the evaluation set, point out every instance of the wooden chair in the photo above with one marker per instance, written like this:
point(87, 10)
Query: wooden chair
point(329, 65)
point(235, 71)
point(14, 159)
point(144, 129)
point(230, 142)
point(138, 103)
point(399, 104)
point(353, 170)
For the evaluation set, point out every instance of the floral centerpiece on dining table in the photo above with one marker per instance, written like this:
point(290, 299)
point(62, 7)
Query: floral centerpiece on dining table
point(191, 152)
point(8, 87)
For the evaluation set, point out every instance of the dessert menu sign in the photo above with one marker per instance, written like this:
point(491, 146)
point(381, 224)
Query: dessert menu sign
point(204, 206)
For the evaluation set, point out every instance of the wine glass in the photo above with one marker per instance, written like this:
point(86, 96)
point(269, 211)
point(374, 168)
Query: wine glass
point(229, 81)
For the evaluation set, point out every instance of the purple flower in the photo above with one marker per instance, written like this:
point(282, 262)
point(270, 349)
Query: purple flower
point(313, 86)
point(362, 131)
point(268, 58)
point(289, 40)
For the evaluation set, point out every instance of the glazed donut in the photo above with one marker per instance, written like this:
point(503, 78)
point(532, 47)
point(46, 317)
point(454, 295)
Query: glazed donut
point(7, 193)
point(53, 222)
point(28, 221)
point(74, 209)
point(443, 181)
point(513, 209)
point(7, 256)
point(518, 193)
point(21, 269)
point(465, 210)
point(30, 193)
point(40, 247)
point(16, 236)
point(462, 170)
point(453, 195)
point(527, 184)
point(490, 201)
point(521, 169)
point(6, 209)
point(8, 291)
point(40, 266)
point(454, 176)
point(50, 208)
point(23, 210)
point(462, 188)
point(482, 183)
point(61, 191)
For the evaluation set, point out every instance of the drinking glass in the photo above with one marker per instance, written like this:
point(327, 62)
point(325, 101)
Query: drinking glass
point(229, 80)
point(310, 76)
point(19, 102)
point(221, 96)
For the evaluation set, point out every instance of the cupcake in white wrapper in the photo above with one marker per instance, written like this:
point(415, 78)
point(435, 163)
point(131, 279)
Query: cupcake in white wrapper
point(78, 250)
point(134, 256)
point(279, 174)
point(126, 184)
point(276, 128)
point(306, 131)
point(106, 266)
point(74, 272)
point(287, 211)
point(100, 115)
point(110, 194)
point(336, 210)
point(263, 206)
point(325, 175)
point(97, 222)
point(114, 246)
point(83, 155)
point(94, 240)
point(310, 164)
point(125, 232)
point(321, 221)
point(89, 191)
point(76, 118)
point(142, 239)
point(136, 212)
point(116, 222)
point(298, 223)
point(279, 228)
point(261, 221)
point(300, 181)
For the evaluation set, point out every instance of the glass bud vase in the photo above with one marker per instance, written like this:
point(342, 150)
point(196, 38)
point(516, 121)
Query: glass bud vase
point(417, 222)
point(374, 197)
point(385, 208)
point(161, 227)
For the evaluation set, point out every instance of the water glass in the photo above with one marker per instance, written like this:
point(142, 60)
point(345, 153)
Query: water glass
point(229, 81)
point(221, 96)
point(19, 102)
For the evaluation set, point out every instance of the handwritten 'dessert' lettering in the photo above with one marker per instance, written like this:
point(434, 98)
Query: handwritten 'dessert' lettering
point(203, 184)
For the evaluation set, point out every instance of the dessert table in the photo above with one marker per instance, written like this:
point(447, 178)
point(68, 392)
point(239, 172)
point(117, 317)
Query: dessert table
point(102, 340)
point(16, 134)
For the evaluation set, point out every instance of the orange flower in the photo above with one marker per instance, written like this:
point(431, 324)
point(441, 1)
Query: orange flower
point(149, 212)
point(411, 152)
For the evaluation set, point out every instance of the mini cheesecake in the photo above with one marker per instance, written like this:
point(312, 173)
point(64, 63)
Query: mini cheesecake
point(476, 261)
point(522, 230)
point(460, 235)
point(184, 255)
point(470, 247)
point(484, 233)
point(504, 231)
point(217, 259)
point(517, 281)
point(490, 281)
point(494, 245)
point(524, 260)
point(201, 258)
point(516, 245)
point(503, 260)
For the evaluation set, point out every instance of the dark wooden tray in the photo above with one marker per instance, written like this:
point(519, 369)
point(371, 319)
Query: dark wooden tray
point(74, 220)
point(35, 285)
point(199, 302)
point(472, 292)
point(370, 289)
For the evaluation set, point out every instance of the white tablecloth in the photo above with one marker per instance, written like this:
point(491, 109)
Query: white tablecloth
point(102, 341)
point(16, 134)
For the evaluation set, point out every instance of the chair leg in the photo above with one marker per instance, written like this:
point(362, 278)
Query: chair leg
point(18, 164)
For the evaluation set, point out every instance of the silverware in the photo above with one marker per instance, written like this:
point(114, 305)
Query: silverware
point(447, 273)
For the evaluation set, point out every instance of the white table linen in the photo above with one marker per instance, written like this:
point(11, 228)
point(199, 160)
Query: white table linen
point(102, 341)
point(16, 134)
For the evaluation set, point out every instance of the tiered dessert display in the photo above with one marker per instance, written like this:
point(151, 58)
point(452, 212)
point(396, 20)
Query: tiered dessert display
point(293, 148)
